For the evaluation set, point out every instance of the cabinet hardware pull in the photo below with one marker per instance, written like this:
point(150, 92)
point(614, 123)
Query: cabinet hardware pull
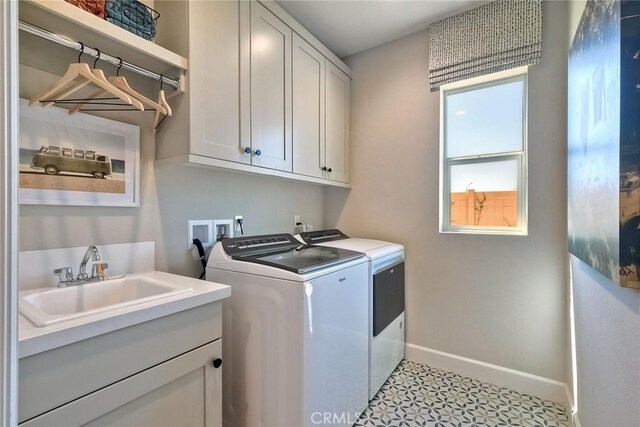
point(247, 150)
point(324, 168)
point(329, 170)
point(258, 152)
point(217, 363)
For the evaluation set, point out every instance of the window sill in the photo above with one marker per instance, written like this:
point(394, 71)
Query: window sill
point(518, 232)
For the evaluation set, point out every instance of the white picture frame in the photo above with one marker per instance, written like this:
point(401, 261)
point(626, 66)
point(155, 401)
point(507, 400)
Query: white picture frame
point(83, 134)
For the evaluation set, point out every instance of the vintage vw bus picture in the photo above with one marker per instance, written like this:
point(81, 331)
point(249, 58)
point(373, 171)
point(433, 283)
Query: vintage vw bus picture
point(54, 160)
point(77, 159)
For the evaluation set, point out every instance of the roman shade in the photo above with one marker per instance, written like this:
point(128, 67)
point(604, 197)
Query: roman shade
point(494, 37)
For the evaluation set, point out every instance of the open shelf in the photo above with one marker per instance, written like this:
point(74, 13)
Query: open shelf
point(63, 18)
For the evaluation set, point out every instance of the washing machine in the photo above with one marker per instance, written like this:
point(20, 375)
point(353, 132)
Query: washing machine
point(294, 341)
point(386, 299)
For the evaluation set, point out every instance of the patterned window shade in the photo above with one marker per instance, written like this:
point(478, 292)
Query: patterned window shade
point(495, 37)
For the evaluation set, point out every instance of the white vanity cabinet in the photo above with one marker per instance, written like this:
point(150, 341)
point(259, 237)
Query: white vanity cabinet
point(164, 372)
point(245, 107)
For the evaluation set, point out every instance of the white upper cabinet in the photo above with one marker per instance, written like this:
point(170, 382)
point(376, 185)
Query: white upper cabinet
point(263, 95)
point(337, 124)
point(215, 88)
point(308, 109)
point(320, 115)
point(208, 120)
point(270, 90)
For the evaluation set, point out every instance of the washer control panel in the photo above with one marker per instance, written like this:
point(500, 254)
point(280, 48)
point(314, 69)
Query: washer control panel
point(242, 246)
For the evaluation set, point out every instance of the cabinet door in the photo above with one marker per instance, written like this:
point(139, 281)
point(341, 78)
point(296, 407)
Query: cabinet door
point(337, 123)
point(214, 80)
point(184, 391)
point(308, 109)
point(270, 90)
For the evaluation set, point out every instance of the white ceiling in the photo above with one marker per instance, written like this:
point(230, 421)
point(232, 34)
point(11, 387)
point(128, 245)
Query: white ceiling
point(351, 26)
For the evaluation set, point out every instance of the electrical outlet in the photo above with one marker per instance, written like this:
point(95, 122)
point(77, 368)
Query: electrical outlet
point(202, 230)
point(235, 222)
point(296, 220)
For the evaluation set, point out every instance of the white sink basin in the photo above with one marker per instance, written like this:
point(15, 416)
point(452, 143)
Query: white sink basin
point(54, 305)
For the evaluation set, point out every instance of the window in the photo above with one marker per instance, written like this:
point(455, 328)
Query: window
point(483, 154)
point(78, 154)
point(67, 152)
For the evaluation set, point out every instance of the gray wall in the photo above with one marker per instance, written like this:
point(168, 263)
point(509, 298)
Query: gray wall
point(169, 196)
point(607, 335)
point(267, 204)
point(607, 325)
point(498, 299)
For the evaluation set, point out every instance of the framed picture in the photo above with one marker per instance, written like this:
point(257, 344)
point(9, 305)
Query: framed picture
point(604, 141)
point(77, 159)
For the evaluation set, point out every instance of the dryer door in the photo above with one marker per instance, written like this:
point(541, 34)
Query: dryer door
point(388, 296)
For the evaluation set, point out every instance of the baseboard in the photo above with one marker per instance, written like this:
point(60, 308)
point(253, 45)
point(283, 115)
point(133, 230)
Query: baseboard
point(522, 382)
point(574, 420)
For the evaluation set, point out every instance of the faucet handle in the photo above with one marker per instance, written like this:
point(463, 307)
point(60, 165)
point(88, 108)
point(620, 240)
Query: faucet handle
point(65, 275)
point(98, 270)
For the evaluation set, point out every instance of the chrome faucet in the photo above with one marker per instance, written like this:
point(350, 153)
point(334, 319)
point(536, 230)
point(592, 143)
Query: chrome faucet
point(65, 274)
point(92, 252)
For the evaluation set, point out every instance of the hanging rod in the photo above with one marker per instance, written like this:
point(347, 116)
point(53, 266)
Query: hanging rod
point(63, 41)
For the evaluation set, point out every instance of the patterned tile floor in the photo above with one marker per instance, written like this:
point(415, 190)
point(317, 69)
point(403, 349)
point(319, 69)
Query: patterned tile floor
point(417, 395)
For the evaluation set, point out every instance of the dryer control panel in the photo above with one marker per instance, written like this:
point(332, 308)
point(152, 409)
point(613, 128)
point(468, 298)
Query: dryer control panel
point(322, 236)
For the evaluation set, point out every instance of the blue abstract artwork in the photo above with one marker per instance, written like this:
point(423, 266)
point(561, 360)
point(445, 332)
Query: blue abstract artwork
point(604, 140)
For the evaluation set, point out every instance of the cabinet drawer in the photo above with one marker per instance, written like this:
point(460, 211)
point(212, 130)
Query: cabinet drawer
point(183, 391)
point(53, 378)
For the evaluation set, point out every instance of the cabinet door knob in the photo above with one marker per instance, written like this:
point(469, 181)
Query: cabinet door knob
point(329, 170)
point(324, 168)
point(247, 150)
point(217, 363)
point(258, 152)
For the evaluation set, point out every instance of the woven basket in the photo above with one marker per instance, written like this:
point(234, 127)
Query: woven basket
point(96, 7)
point(133, 16)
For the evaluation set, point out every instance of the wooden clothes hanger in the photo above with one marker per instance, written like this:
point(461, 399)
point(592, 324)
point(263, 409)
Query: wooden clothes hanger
point(77, 76)
point(138, 99)
point(162, 100)
point(122, 84)
point(106, 87)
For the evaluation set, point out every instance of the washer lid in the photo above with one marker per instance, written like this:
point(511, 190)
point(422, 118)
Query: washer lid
point(285, 252)
point(303, 258)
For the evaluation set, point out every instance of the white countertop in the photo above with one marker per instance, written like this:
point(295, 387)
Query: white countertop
point(33, 339)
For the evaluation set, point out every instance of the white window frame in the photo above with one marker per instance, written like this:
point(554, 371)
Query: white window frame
point(516, 74)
